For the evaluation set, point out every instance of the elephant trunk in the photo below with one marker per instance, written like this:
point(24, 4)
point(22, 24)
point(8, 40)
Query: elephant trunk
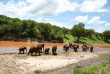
point(43, 47)
point(26, 50)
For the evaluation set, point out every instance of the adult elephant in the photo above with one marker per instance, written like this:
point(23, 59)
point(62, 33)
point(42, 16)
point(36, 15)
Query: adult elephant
point(91, 49)
point(85, 48)
point(23, 48)
point(66, 47)
point(70, 45)
point(54, 48)
point(34, 49)
point(41, 46)
point(75, 47)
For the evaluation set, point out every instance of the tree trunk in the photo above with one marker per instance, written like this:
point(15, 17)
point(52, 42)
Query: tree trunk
point(78, 39)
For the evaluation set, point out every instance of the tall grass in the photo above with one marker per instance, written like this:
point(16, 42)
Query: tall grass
point(99, 69)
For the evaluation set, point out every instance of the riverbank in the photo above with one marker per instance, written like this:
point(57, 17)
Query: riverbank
point(14, 63)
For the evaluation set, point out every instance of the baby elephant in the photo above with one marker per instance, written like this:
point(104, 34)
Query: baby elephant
point(54, 48)
point(22, 49)
point(47, 50)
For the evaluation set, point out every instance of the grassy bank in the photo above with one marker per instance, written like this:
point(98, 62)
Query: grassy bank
point(70, 38)
point(99, 69)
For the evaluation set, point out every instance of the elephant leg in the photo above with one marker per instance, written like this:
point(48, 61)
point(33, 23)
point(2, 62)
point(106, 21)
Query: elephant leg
point(53, 52)
point(35, 53)
point(41, 50)
point(66, 50)
point(75, 50)
point(48, 52)
point(39, 53)
point(23, 51)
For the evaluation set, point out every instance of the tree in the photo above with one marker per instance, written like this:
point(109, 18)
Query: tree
point(89, 33)
point(106, 35)
point(65, 31)
point(78, 31)
point(45, 30)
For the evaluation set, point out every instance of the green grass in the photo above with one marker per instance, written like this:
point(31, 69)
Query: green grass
point(5, 65)
point(104, 55)
point(65, 52)
point(91, 40)
point(99, 69)
point(70, 38)
point(43, 53)
point(37, 71)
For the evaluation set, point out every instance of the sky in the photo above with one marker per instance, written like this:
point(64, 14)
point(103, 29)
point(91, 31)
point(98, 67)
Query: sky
point(95, 14)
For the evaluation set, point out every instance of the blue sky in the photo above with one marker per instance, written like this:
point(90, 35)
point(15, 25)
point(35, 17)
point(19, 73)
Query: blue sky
point(95, 14)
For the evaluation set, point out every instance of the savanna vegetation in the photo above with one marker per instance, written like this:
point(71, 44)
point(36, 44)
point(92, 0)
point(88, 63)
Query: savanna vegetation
point(16, 28)
point(98, 69)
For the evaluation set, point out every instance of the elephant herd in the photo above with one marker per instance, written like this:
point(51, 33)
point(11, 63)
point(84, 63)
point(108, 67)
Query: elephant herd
point(40, 48)
point(75, 47)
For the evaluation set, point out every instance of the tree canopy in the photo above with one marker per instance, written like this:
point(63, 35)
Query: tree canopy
point(14, 27)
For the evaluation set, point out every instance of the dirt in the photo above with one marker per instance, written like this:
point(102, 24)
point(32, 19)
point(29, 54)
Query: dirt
point(14, 63)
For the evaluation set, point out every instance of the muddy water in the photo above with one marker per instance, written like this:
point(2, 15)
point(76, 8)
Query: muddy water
point(29, 44)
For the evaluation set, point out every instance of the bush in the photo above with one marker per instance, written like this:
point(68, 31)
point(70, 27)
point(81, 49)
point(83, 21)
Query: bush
point(37, 71)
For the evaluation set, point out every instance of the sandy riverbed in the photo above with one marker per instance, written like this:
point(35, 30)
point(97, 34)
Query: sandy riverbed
point(28, 64)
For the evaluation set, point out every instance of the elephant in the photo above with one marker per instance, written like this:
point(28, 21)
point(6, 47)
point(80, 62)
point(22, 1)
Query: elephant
point(47, 50)
point(22, 49)
point(84, 48)
point(66, 47)
point(33, 49)
point(41, 46)
point(54, 48)
point(75, 47)
point(70, 45)
point(91, 49)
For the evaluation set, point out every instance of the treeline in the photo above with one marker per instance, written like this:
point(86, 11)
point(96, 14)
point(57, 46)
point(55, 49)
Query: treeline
point(79, 31)
point(14, 27)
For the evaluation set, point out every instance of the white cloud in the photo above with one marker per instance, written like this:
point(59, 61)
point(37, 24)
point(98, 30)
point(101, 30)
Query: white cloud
point(100, 29)
point(107, 24)
point(81, 18)
point(48, 19)
point(39, 19)
point(37, 8)
point(59, 24)
point(96, 21)
point(93, 6)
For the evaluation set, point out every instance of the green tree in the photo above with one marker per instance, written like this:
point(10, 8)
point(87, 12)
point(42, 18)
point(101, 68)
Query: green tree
point(89, 33)
point(65, 31)
point(45, 30)
point(106, 35)
point(78, 31)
